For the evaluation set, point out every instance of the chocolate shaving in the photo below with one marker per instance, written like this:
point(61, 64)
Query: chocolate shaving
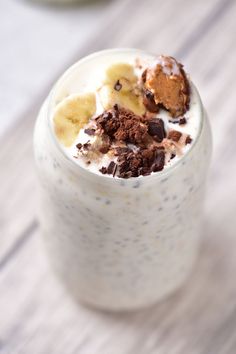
point(84, 147)
point(174, 135)
point(104, 149)
point(103, 170)
point(79, 146)
point(143, 162)
point(182, 121)
point(156, 129)
point(159, 162)
point(122, 150)
point(188, 140)
point(89, 131)
point(111, 168)
point(87, 145)
point(117, 86)
point(114, 171)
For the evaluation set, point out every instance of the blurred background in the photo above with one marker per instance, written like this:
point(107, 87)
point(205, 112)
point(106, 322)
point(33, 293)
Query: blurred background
point(38, 41)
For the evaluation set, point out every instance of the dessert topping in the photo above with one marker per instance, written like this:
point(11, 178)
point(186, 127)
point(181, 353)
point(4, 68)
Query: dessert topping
point(168, 83)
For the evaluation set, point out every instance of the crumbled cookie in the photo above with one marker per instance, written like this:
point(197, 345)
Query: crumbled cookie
point(123, 125)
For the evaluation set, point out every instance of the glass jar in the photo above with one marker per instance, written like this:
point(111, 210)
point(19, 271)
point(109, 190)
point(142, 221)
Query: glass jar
point(119, 244)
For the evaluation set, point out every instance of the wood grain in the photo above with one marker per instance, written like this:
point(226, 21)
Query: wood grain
point(37, 316)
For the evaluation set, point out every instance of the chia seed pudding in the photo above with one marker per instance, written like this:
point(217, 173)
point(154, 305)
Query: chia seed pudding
point(122, 147)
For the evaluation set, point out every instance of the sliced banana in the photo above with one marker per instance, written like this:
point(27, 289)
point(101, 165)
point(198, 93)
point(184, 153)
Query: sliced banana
point(120, 71)
point(109, 97)
point(71, 115)
point(125, 96)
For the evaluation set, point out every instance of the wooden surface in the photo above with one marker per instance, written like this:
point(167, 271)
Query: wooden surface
point(36, 315)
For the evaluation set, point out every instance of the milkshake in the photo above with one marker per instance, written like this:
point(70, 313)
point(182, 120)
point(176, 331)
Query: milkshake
point(122, 146)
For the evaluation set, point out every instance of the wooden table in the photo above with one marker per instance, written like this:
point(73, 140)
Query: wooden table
point(36, 315)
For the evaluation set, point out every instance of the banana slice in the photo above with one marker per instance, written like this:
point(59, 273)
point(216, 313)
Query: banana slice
point(121, 72)
point(124, 75)
point(71, 115)
point(109, 97)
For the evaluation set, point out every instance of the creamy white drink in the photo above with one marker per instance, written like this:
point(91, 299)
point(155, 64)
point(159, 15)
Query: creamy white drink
point(122, 153)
